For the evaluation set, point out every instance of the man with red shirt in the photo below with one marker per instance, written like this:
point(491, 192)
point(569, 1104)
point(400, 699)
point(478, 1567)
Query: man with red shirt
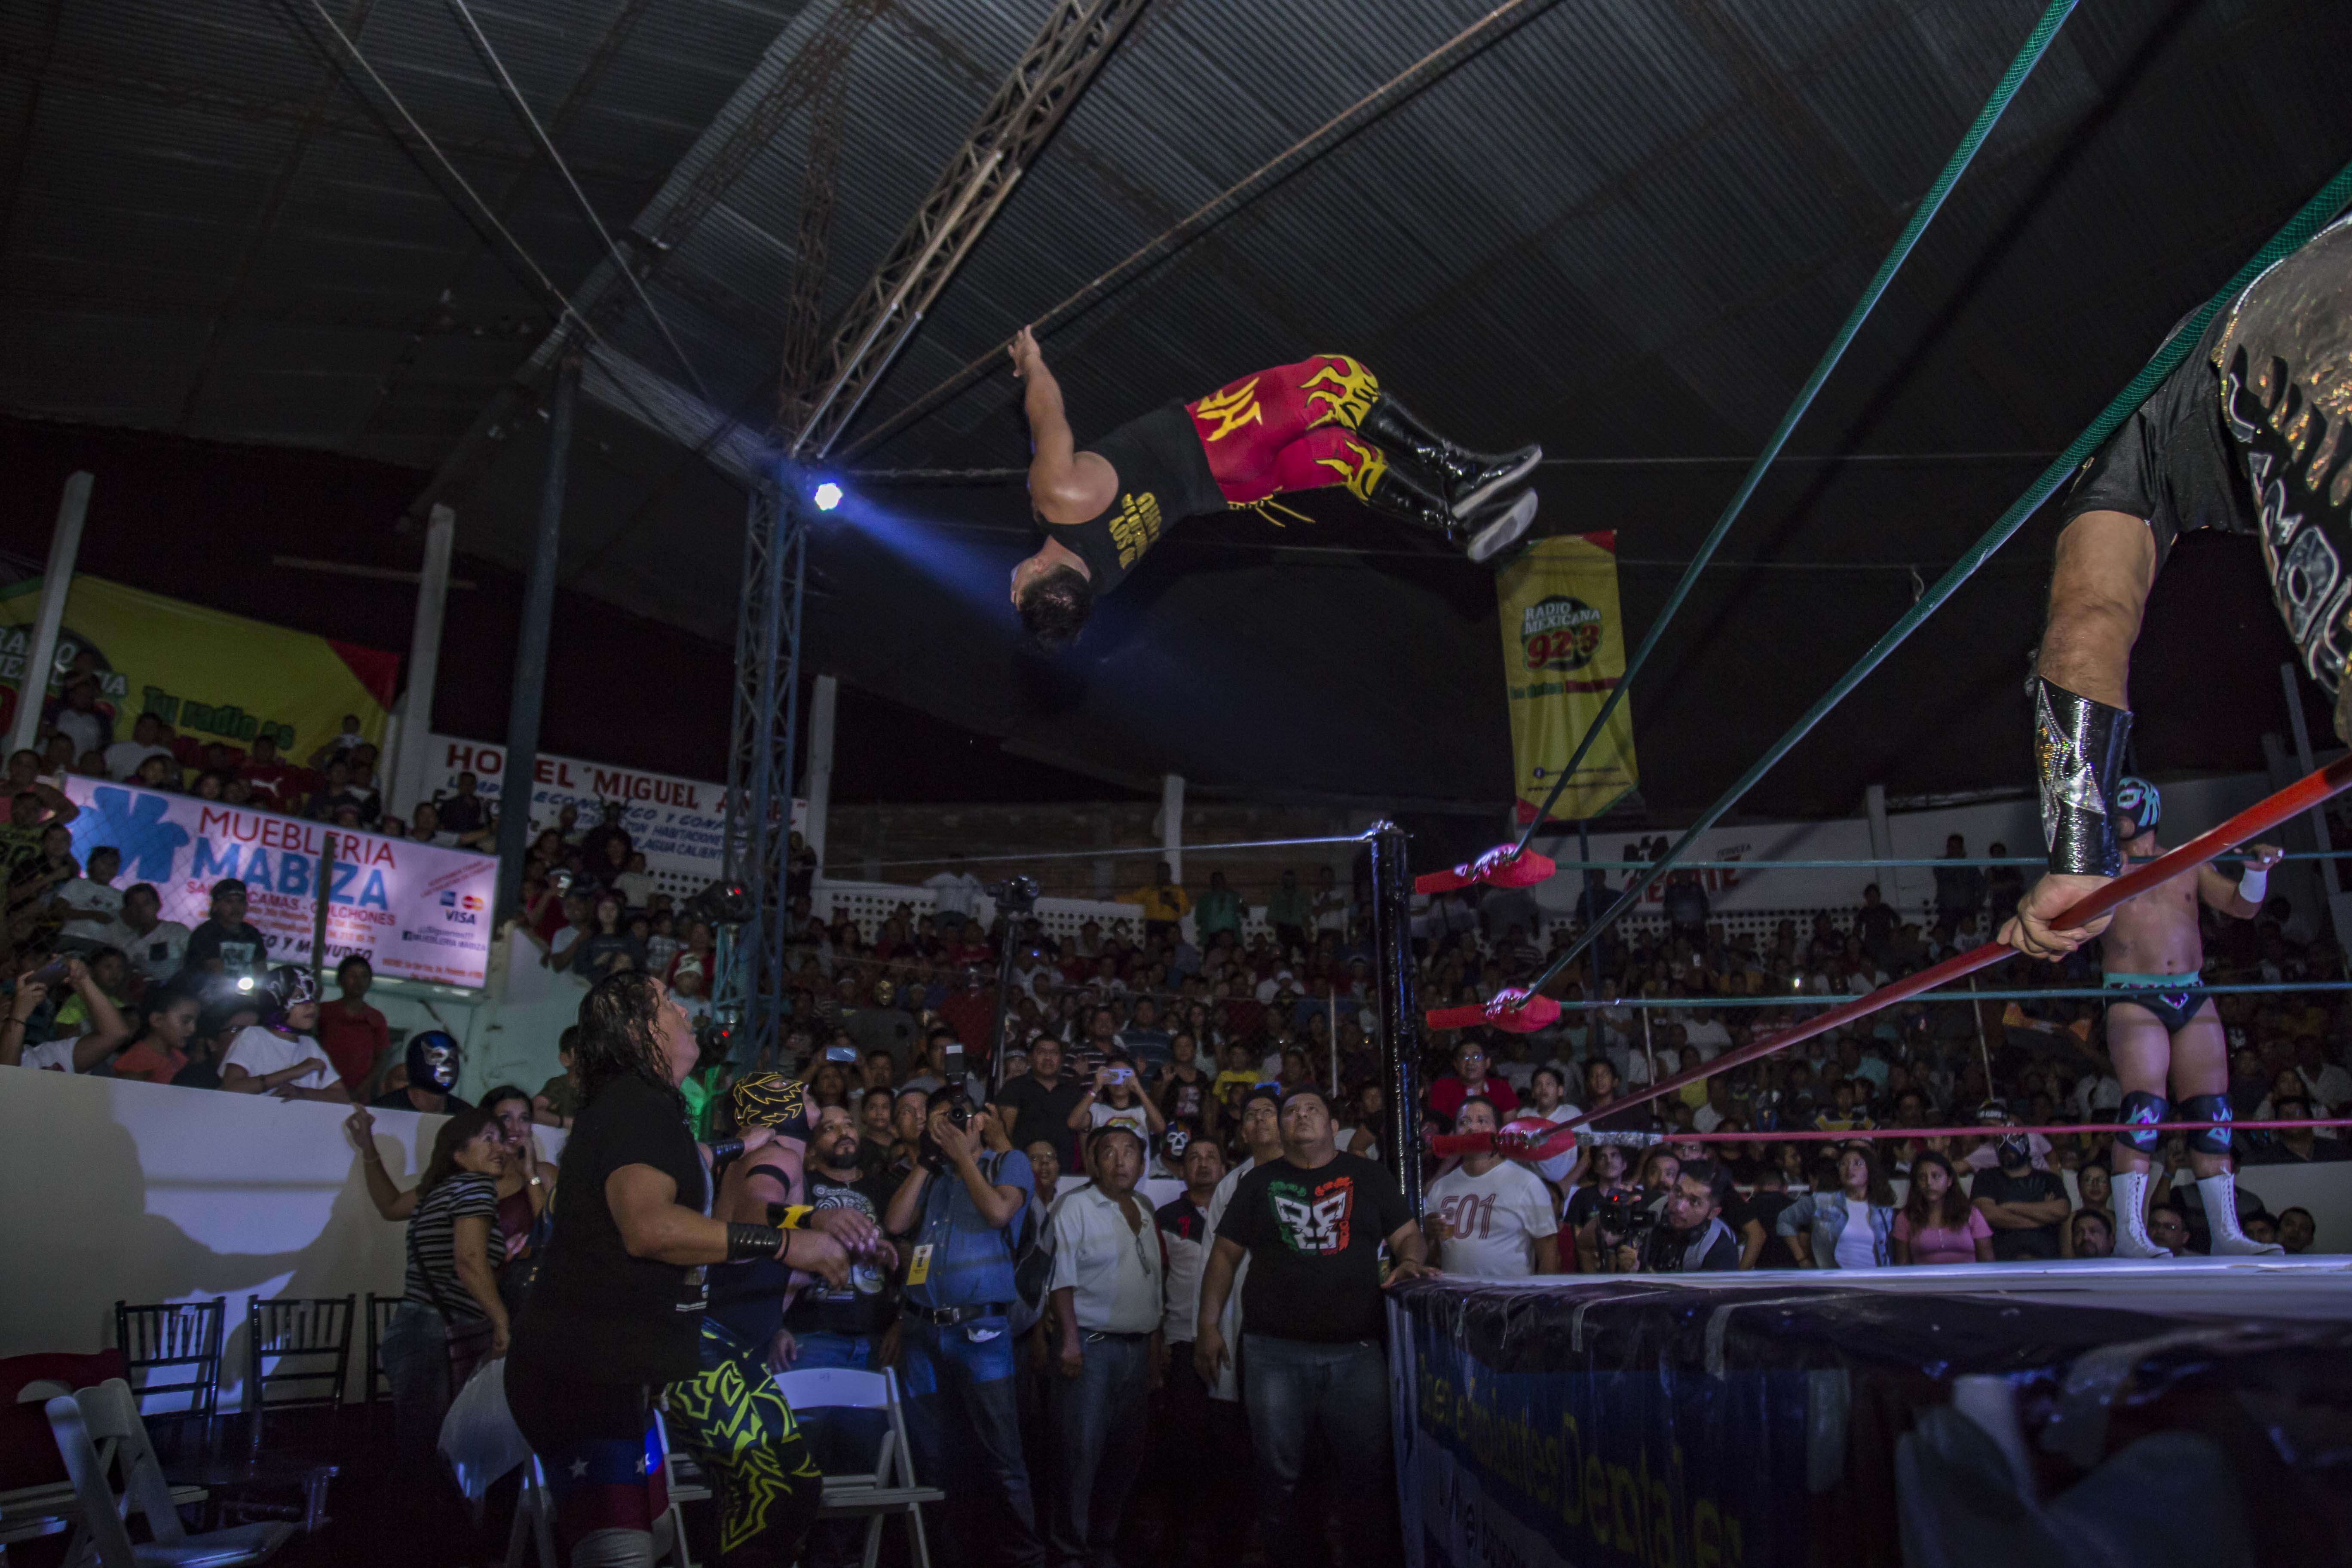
point(1469, 1077)
point(276, 786)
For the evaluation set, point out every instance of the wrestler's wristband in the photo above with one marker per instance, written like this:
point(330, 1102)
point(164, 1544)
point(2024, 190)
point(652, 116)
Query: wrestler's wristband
point(748, 1241)
point(722, 1150)
point(2078, 757)
point(789, 1216)
point(2254, 884)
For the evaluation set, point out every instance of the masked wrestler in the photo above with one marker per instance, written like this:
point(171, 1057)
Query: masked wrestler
point(2247, 436)
point(2162, 1031)
point(1322, 421)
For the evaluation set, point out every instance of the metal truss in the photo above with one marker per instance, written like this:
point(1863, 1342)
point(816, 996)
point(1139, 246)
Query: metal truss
point(805, 340)
point(760, 765)
point(1076, 38)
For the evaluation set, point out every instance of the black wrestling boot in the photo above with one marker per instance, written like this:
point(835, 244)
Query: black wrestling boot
point(1467, 479)
point(1496, 527)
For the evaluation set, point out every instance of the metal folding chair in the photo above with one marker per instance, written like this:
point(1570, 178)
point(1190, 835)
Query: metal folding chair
point(889, 1487)
point(99, 1432)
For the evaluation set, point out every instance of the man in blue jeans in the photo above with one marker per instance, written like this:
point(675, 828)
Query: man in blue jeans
point(1312, 1224)
point(962, 1203)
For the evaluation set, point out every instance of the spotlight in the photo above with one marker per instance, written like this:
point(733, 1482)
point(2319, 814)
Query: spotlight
point(827, 496)
point(245, 983)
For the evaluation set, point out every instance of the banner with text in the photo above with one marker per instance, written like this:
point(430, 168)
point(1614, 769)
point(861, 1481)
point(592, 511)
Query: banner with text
point(209, 675)
point(1545, 1464)
point(680, 824)
point(1563, 653)
point(413, 910)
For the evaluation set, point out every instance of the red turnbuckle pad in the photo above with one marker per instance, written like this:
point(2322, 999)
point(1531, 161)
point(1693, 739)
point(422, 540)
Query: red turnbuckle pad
point(1504, 866)
point(1527, 1138)
point(1512, 1009)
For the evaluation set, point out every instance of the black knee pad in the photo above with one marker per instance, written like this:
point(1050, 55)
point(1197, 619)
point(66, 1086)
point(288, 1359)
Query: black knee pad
point(2208, 1108)
point(2141, 1109)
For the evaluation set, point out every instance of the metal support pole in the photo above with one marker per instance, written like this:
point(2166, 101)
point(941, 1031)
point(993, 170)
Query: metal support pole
point(521, 775)
point(1171, 824)
point(1399, 992)
point(65, 543)
point(407, 775)
point(319, 920)
point(824, 702)
point(1592, 1021)
point(1004, 957)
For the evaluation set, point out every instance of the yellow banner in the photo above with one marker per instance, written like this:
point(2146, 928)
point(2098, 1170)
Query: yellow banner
point(209, 675)
point(1563, 652)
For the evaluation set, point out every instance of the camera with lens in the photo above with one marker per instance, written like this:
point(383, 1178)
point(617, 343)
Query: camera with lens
point(1625, 1215)
point(955, 1097)
point(1014, 895)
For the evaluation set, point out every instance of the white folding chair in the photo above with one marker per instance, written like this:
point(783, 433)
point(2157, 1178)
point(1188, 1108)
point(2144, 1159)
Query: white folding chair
point(889, 1487)
point(98, 1431)
point(534, 1516)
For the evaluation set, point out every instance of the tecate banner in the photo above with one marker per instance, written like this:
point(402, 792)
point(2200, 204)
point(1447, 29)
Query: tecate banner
point(411, 909)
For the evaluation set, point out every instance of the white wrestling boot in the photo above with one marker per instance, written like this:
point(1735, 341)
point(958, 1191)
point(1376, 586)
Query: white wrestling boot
point(2221, 1197)
point(2129, 1189)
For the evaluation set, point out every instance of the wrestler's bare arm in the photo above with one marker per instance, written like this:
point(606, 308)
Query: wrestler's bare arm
point(1065, 485)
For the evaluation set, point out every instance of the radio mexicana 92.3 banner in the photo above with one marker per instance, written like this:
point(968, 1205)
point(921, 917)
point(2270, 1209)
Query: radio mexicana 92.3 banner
point(1563, 652)
point(413, 910)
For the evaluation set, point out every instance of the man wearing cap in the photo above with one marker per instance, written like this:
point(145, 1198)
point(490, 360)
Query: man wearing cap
point(2163, 1031)
point(1311, 1225)
point(225, 943)
point(1108, 1268)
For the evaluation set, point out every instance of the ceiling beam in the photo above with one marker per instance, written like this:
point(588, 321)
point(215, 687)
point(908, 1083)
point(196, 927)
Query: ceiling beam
point(1046, 82)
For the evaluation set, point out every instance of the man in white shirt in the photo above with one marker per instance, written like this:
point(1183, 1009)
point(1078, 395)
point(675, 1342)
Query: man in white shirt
point(1490, 1218)
point(157, 947)
point(956, 898)
point(276, 1055)
point(123, 757)
point(91, 904)
point(1107, 1285)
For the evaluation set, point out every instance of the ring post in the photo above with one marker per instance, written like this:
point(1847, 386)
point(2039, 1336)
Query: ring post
point(1393, 972)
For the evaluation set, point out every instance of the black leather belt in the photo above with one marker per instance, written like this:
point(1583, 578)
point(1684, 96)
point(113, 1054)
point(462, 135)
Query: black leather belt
point(948, 1317)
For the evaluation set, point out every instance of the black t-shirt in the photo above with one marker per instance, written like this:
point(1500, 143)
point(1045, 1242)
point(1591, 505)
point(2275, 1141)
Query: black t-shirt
point(1765, 1209)
point(1042, 1113)
point(241, 949)
point(204, 1073)
point(1314, 1239)
point(1667, 1251)
point(2032, 1187)
point(1163, 476)
point(1184, 1218)
point(818, 1309)
point(597, 1313)
point(2170, 463)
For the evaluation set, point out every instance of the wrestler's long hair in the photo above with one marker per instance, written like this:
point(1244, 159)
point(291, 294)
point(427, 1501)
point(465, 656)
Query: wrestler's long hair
point(619, 1036)
point(1055, 607)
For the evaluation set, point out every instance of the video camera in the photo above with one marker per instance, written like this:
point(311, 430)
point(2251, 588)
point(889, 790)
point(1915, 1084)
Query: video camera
point(1625, 1215)
point(1014, 895)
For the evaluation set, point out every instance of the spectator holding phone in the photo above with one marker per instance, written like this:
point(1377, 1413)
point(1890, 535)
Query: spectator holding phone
point(72, 1053)
point(1116, 1099)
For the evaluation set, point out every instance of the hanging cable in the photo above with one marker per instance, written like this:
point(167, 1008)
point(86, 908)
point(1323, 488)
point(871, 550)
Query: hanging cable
point(578, 196)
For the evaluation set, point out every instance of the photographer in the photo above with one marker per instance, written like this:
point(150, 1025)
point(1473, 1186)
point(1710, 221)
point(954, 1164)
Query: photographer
point(958, 1207)
point(1116, 1098)
point(1685, 1231)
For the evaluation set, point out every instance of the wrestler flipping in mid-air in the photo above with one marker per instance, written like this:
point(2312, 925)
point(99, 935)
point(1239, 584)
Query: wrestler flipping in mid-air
point(1323, 421)
point(2248, 436)
point(2163, 1032)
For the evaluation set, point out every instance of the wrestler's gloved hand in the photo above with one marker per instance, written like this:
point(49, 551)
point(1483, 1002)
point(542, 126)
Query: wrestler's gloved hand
point(2030, 931)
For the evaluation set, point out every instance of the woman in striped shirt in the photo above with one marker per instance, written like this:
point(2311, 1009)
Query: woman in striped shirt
point(450, 1319)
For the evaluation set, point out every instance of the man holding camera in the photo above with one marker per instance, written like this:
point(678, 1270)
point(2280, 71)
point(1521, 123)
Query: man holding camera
point(1684, 1232)
point(960, 1205)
